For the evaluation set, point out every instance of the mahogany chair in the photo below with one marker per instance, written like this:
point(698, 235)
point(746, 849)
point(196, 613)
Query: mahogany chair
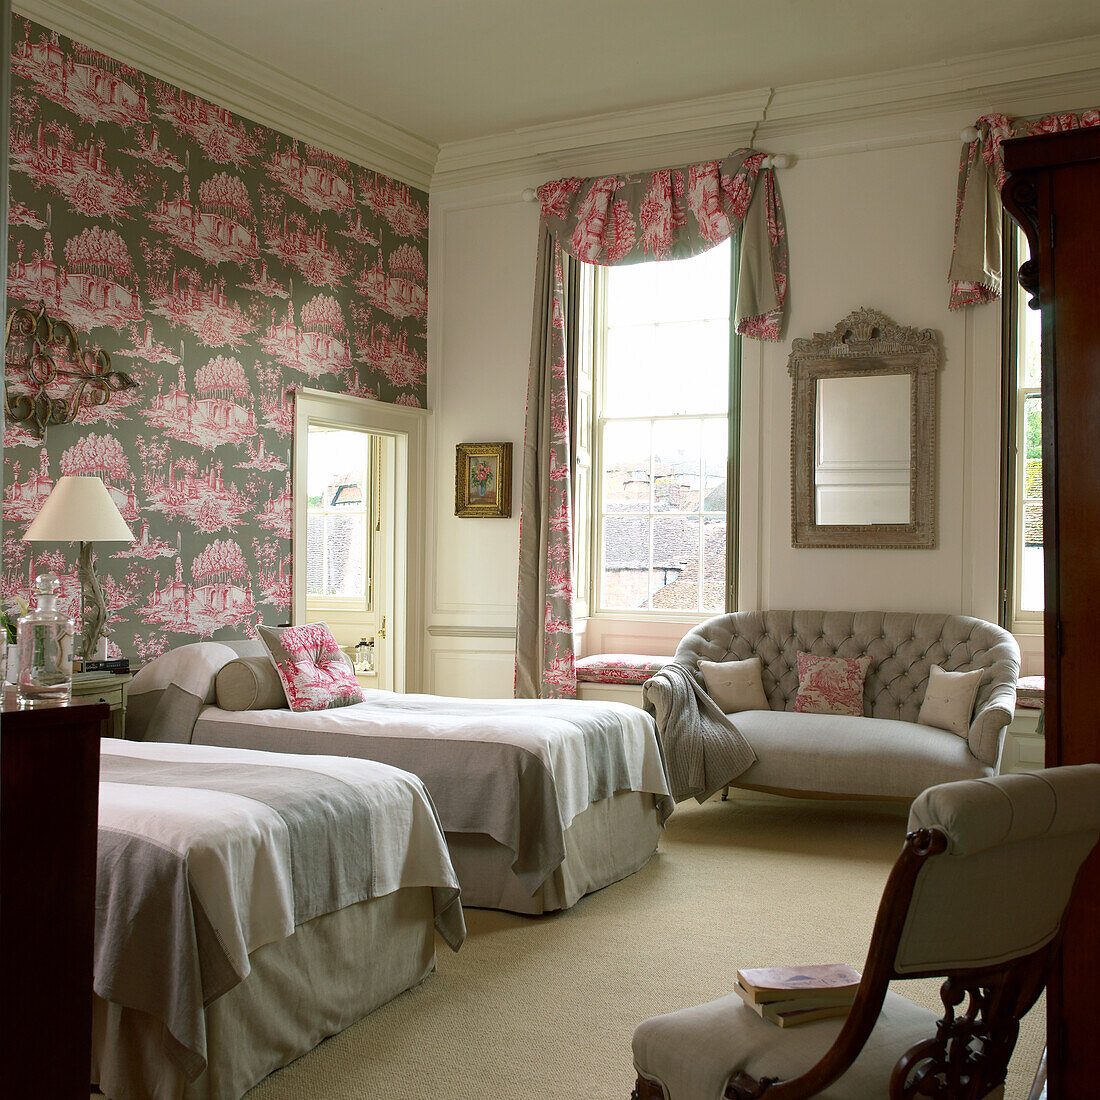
point(977, 896)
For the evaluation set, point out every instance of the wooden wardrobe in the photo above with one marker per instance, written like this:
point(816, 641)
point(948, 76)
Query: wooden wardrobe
point(1053, 192)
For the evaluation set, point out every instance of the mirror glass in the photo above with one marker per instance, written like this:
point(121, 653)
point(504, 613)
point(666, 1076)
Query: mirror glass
point(862, 450)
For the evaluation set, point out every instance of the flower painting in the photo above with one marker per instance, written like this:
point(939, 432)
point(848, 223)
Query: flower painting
point(483, 480)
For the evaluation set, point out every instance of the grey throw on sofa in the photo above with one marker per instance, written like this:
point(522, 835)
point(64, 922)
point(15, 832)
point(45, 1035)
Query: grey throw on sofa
point(885, 754)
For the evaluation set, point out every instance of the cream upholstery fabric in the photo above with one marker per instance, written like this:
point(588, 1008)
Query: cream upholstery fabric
point(863, 757)
point(693, 1052)
point(735, 685)
point(1015, 844)
point(902, 647)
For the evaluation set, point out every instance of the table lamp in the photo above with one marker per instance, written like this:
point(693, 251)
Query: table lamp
point(79, 509)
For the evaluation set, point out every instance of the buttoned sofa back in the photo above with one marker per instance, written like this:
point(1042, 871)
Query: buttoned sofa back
point(902, 646)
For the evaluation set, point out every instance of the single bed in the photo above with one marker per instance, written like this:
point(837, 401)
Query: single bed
point(250, 904)
point(541, 801)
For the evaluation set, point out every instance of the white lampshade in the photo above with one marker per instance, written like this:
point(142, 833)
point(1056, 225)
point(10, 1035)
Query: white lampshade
point(79, 509)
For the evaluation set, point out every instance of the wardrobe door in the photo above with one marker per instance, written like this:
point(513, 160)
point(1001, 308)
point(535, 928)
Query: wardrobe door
point(1053, 191)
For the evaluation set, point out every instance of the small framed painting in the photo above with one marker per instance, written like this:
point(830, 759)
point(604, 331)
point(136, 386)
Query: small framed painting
point(483, 480)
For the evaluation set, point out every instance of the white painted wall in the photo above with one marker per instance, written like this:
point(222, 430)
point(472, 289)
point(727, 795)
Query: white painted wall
point(867, 227)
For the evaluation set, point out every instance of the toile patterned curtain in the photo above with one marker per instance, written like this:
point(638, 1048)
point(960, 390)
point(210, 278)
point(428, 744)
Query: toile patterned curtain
point(670, 214)
point(975, 274)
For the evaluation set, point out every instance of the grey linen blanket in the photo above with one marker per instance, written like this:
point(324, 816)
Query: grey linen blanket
point(207, 854)
point(519, 771)
point(704, 749)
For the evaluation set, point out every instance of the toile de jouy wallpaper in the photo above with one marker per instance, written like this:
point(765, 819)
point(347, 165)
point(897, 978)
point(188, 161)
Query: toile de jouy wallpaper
point(223, 264)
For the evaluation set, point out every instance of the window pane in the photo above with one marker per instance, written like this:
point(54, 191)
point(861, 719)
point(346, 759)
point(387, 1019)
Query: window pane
point(676, 563)
point(631, 294)
point(315, 546)
point(346, 545)
point(694, 288)
point(1031, 352)
point(634, 379)
point(676, 461)
point(1031, 579)
point(694, 362)
point(625, 565)
point(626, 467)
point(714, 564)
point(715, 455)
point(1033, 445)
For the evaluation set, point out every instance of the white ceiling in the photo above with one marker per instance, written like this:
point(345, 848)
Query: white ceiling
point(448, 70)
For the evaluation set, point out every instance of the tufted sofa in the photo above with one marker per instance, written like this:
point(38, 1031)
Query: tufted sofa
point(887, 754)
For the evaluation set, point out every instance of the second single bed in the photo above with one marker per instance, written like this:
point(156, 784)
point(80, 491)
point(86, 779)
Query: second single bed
point(541, 801)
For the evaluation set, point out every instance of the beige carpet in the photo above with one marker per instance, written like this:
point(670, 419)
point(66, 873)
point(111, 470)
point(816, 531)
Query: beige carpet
point(546, 1006)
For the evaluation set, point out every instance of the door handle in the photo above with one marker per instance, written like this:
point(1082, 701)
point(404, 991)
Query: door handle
point(382, 628)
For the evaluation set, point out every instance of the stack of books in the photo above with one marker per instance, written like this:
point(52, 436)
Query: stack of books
point(793, 995)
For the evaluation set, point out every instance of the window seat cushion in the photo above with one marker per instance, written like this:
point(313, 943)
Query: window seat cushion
point(1031, 692)
point(619, 668)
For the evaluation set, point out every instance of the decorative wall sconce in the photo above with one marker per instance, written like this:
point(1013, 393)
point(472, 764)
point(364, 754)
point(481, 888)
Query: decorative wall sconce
point(55, 376)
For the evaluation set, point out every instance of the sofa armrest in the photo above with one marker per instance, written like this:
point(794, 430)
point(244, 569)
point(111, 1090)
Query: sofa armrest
point(987, 728)
point(657, 699)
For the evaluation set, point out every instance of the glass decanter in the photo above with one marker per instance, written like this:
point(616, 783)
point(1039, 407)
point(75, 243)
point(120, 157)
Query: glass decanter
point(45, 640)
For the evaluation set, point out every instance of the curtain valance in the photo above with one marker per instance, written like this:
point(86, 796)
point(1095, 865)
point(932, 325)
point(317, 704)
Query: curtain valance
point(975, 274)
point(675, 213)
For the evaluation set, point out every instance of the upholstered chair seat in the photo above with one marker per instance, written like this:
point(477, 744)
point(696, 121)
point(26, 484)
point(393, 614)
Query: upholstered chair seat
point(692, 1053)
point(978, 896)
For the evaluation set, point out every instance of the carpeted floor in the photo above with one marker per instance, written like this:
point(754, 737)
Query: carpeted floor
point(546, 1006)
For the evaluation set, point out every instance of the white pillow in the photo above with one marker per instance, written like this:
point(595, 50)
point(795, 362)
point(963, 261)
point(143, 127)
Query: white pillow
point(735, 685)
point(949, 699)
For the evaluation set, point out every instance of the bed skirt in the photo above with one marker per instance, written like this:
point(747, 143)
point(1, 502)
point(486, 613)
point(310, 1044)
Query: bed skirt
point(329, 974)
point(611, 839)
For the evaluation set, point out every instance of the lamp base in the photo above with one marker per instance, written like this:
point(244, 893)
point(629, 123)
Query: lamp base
point(95, 607)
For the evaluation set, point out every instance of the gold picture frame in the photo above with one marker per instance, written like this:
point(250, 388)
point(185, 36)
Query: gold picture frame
point(483, 480)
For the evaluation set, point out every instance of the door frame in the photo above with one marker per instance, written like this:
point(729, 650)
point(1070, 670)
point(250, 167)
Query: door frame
point(408, 429)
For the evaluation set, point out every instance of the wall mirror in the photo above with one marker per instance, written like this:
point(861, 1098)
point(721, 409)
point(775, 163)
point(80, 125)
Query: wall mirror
point(863, 435)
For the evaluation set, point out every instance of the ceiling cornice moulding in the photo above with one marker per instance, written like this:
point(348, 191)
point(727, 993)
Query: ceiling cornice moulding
point(172, 50)
point(1062, 74)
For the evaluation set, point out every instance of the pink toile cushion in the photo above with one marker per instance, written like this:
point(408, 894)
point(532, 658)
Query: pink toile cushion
point(315, 674)
point(831, 685)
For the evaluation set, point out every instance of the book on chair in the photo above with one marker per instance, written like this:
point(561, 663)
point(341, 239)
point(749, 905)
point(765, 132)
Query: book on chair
point(792, 995)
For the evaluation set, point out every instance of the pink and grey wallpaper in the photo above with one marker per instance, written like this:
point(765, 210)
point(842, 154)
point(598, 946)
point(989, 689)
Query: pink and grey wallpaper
point(223, 264)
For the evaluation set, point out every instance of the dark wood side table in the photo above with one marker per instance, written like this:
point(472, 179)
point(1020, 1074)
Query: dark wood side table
point(49, 802)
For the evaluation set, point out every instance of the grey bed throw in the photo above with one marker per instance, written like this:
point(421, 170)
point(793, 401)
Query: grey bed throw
point(703, 748)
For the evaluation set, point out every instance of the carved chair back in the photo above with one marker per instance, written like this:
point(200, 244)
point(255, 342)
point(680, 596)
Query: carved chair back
point(978, 896)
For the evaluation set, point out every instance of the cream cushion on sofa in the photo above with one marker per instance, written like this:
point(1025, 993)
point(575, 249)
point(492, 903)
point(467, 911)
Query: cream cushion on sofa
point(865, 757)
point(949, 699)
point(693, 1052)
point(735, 685)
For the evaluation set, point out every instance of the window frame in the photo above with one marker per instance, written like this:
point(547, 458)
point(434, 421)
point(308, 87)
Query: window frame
point(1014, 396)
point(592, 347)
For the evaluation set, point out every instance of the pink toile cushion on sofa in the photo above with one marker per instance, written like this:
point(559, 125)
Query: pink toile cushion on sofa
point(315, 674)
point(831, 685)
point(619, 668)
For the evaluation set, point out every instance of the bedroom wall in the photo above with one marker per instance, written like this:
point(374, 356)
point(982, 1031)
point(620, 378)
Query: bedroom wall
point(869, 206)
point(223, 264)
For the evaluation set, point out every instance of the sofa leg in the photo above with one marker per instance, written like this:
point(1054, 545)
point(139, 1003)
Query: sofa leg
point(726, 793)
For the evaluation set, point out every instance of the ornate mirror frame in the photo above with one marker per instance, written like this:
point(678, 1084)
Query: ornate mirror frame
point(865, 343)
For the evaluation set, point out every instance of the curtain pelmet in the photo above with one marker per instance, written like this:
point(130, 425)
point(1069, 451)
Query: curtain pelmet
point(975, 273)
